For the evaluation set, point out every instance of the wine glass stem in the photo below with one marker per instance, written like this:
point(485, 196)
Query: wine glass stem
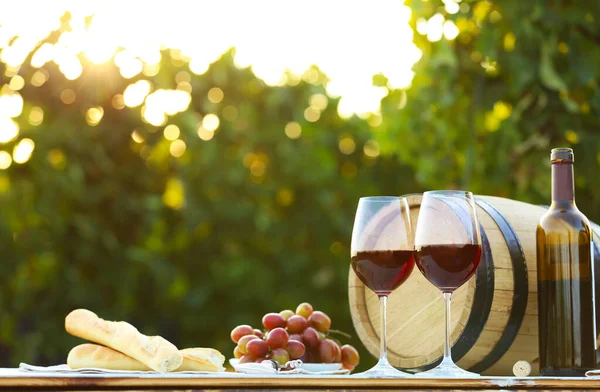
point(382, 319)
point(447, 352)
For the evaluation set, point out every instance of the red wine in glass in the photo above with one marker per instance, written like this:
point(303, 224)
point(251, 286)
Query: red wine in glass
point(382, 256)
point(448, 266)
point(447, 252)
point(383, 270)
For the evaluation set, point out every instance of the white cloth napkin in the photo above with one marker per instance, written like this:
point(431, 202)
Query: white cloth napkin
point(24, 367)
point(267, 369)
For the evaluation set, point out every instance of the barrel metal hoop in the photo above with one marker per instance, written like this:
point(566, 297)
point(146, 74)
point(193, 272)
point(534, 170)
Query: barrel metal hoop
point(520, 293)
point(482, 301)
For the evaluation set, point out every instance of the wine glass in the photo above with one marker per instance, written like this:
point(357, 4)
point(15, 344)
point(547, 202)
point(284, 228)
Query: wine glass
point(448, 250)
point(382, 258)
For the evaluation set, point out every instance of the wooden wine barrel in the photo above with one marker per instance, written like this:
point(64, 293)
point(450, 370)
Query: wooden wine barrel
point(494, 314)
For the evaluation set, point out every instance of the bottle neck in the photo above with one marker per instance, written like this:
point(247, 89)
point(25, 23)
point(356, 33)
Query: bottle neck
point(562, 182)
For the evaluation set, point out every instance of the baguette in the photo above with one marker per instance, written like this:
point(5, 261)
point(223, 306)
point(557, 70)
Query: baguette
point(89, 355)
point(95, 356)
point(153, 351)
point(201, 359)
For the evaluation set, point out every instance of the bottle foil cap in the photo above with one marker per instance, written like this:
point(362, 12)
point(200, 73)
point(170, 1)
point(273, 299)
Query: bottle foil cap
point(562, 155)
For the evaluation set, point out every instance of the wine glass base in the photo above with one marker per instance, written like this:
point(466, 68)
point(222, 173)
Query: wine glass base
point(382, 370)
point(447, 371)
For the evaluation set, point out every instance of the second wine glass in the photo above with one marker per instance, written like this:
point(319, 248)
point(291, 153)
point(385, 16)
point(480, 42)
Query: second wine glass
point(448, 250)
point(382, 258)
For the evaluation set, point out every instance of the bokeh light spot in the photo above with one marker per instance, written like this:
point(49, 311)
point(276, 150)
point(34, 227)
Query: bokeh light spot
point(118, 101)
point(135, 93)
point(71, 67)
point(215, 95)
point(318, 101)
point(509, 42)
point(57, 159)
point(5, 160)
point(450, 30)
point(11, 104)
point(67, 96)
point(205, 134)
point(36, 116)
point(571, 137)
point(293, 130)
point(23, 150)
point(131, 68)
point(94, 115)
point(39, 78)
point(174, 195)
point(285, 197)
point(9, 130)
point(346, 145)
point(183, 76)
point(151, 69)
point(257, 168)
point(184, 86)
point(198, 67)
point(375, 121)
point(371, 149)
point(435, 28)
point(171, 132)
point(451, 6)
point(311, 114)
point(137, 136)
point(16, 83)
point(495, 16)
point(210, 122)
point(177, 148)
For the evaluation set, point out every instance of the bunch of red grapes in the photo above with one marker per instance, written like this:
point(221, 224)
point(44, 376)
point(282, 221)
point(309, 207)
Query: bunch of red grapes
point(301, 335)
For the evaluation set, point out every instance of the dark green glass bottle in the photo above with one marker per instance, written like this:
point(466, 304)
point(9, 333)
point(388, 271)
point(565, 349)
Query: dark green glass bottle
point(566, 311)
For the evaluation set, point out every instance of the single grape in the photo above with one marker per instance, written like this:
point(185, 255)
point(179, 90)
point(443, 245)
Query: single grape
point(241, 330)
point(280, 355)
point(257, 348)
point(346, 366)
point(319, 321)
point(273, 320)
point(310, 337)
point(286, 314)
point(338, 353)
point(277, 338)
point(327, 351)
point(297, 337)
point(350, 355)
point(305, 357)
point(296, 324)
point(247, 359)
point(295, 349)
point(237, 353)
point(258, 333)
point(304, 309)
point(243, 342)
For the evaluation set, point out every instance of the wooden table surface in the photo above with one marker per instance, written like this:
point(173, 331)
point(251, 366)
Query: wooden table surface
point(29, 382)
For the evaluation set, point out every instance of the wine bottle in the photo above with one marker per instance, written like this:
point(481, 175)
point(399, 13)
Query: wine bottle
point(566, 311)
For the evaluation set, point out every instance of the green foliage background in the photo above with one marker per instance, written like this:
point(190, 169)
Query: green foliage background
point(190, 247)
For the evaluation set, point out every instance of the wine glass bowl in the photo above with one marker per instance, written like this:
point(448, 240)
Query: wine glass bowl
point(382, 258)
point(447, 252)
